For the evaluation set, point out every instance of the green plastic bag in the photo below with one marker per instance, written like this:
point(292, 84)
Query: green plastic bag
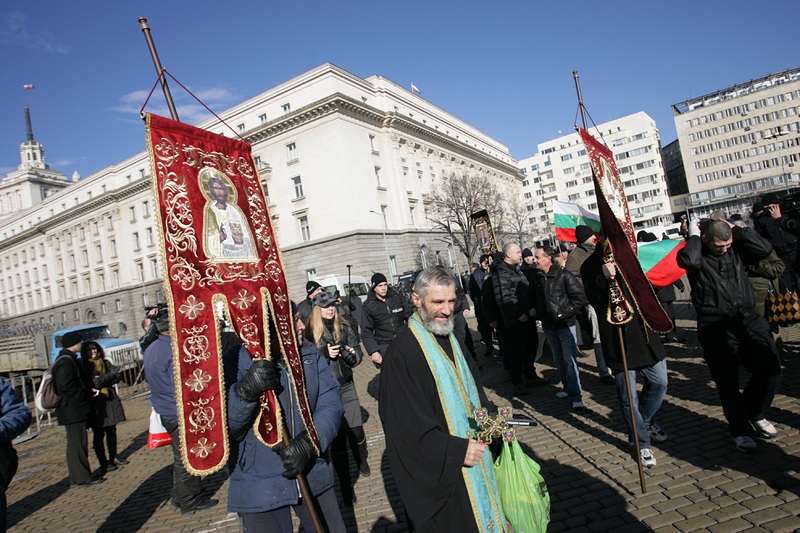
point(523, 493)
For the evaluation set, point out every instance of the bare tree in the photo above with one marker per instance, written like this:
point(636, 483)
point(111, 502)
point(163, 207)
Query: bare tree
point(455, 198)
point(517, 226)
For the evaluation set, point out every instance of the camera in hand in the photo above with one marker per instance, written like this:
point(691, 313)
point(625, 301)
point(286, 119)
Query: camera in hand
point(790, 205)
point(162, 310)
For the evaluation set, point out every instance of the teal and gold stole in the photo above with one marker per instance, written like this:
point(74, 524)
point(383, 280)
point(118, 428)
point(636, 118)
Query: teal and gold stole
point(459, 397)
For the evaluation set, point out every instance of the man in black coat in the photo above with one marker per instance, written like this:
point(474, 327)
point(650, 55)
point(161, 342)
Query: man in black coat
point(75, 410)
point(513, 297)
point(644, 351)
point(305, 307)
point(383, 315)
point(784, 243)
point(729, 330)
point(558, 298)
point(475, 289)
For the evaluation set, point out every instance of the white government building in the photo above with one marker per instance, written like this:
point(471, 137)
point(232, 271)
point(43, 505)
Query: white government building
point(739, 143)
point(560, 171)
point(346, 162)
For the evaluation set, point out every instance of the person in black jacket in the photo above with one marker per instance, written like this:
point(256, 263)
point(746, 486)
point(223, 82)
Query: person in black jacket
point(729, 330)
point(559, 297)
point(107, 405)
point(383, 315)
point(644, 352)
point(513, 297)
point(304, 308)
point(335, 339)
point(783, 242)
point(74, 412)
point(475, 288)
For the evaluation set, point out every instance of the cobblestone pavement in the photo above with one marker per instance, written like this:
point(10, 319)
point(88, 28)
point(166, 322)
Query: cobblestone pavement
point(701, 483)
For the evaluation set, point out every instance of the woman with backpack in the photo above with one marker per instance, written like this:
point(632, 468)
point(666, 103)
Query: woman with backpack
point(108, 411)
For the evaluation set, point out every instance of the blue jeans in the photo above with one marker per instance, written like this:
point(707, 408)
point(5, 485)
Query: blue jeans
point(647, 403)
point(565, 353)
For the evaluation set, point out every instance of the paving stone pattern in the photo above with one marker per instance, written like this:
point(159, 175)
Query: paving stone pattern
point(701, 482)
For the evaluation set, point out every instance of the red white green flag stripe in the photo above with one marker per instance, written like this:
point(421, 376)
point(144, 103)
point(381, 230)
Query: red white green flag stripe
point(567, 216)
point(659, 261)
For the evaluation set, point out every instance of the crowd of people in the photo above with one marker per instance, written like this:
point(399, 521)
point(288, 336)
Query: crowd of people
point(429, 384)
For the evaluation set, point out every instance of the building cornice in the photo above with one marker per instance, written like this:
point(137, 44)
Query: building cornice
point(90, 207)
point(340, 103)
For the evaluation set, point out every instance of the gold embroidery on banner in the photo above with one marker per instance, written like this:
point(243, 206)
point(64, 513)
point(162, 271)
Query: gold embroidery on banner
point(220, 273)
point(198, 381)
point(192, 308)
point(245, 168)
point(248, 331)
point(196, 345)
point(166, 151)
point(244, 300)
point(280, 298)
point(184, 274)
point(180, 235)
point(203, 448)
point(201, 418)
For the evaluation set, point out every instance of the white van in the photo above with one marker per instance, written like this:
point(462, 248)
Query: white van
point(335, 282)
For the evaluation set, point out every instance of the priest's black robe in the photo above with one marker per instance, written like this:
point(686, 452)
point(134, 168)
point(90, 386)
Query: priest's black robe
point(426, 460)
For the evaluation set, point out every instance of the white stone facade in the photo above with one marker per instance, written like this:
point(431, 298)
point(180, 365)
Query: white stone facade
point(739, 143)
point(90, 252)
point(560, 171)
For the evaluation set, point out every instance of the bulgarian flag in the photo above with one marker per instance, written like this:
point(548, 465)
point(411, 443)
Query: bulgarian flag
point(659, 261)
point(568, 216)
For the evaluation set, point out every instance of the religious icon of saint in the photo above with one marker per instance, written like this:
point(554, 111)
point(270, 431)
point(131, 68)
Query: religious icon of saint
point(482, 233)
point(227, 233)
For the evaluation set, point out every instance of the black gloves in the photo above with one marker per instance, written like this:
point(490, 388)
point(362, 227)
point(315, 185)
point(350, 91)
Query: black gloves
point(260, 377)
point(296, 455)
point(349, 357)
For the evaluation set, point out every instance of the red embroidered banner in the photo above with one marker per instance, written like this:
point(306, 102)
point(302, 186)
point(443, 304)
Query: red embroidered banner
point(620, 244)
point(220, 260)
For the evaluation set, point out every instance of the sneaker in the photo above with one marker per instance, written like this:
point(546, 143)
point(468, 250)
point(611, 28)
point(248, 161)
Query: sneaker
point(764, 428)
point(648, 459)
point(745, 444)
point(578, 405)
point(562, 394)
point(656, 433)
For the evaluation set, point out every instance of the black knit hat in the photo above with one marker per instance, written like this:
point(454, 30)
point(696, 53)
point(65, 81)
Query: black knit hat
point(377, 279)
point(71, 339)
point(583, 232)
point(527, 253)
point(311, 286)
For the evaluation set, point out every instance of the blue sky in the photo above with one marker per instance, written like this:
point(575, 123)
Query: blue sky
point(504, 67)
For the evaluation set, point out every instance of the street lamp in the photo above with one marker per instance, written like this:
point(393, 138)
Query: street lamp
point(775, 135)
point(385, 246)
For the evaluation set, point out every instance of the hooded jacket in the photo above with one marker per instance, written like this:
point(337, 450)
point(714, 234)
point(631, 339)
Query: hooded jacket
point(256, 481)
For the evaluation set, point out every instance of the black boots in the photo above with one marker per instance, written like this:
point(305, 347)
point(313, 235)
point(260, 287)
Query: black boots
point(363, 453)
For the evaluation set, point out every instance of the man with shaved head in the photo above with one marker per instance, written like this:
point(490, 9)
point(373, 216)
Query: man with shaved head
point(729, 330)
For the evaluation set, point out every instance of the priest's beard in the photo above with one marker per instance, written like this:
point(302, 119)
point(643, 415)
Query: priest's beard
point(429, 322)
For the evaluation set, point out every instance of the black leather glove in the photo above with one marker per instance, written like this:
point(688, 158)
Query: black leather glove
point(296, 455)
point(260, 377)
point(349, 357)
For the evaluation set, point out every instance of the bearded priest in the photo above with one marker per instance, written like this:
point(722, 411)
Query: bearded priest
point(428, 394)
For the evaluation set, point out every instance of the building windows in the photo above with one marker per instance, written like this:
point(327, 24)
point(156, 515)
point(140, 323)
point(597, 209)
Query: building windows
point(101, 282)
point(393, 265)
point(136, 244)
point(305, 231)
point(566, 157)
point(118, 305)
point(140, 270)
point(132, 211)
point(240, 127)
point(115, 275)
point(287, 108)
point(45, 275)
point(527, 195)
point(150, 236)
point(572, 183)
point(298, 187)
point(372, 146)
point(145, 209)
point(85, 255)
point(113, 245)
point(103, 309)
point(262, 118)
point(311, 274)
point(291, 152)
point(98, 253)
point(154, 267)
point(378, 177)
point(109, 223)
point(569, 170)
point(72, 263)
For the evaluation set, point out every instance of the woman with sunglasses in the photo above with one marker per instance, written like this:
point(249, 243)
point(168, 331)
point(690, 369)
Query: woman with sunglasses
point(340, 345)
